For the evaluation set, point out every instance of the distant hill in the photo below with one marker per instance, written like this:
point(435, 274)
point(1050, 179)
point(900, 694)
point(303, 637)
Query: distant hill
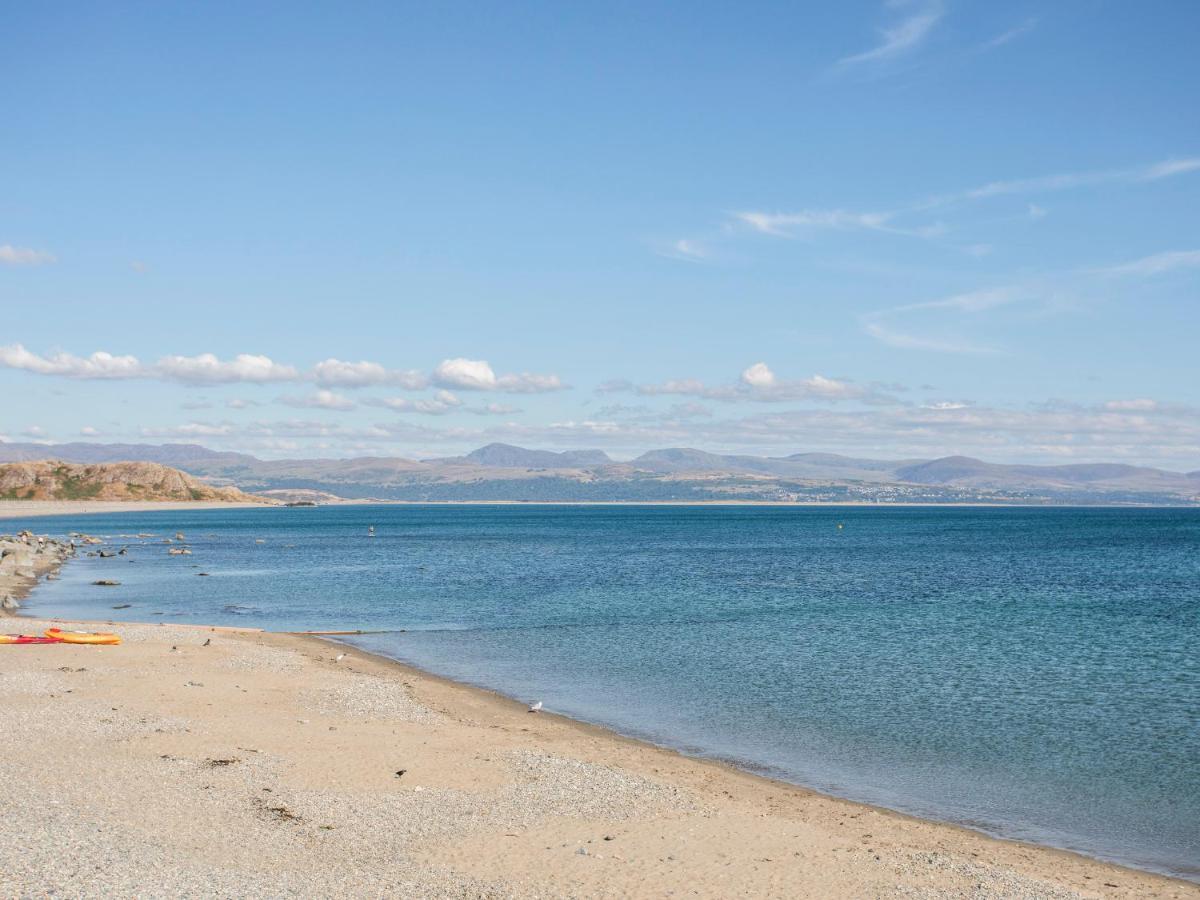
point(507, 456)
point(57, 480)
point(507, 472)
point(964, 470)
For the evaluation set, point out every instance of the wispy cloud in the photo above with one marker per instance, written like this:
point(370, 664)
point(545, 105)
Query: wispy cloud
point(1066, 181)
point(1170, 167)
point(804, 222)
point(686, 249)
point(784, 224)
point(972, 301)
point(901, 38)
point(880, 324)
point(23, 256)
point(1156, 264)
point(1011, 34)
point(904, 340)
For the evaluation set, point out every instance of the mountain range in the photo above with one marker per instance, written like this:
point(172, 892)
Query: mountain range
point(506, 472)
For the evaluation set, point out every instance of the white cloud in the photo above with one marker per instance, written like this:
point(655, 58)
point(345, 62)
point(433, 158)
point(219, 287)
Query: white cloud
point(1157, 264)
point(203, 369)
point(1036, 212)
point(477, 375)
point(759, 375)
point(23, 256)
point(246, 368)
point(336, 373)
point(468, 374)
point(322, 399)
point(901, 38)
point(239, 403)
point(98, 365)
point(34, 431)
point(207, 368)
point(89, 431)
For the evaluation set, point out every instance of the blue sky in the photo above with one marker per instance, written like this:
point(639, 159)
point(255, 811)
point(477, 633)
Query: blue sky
point(881, 228)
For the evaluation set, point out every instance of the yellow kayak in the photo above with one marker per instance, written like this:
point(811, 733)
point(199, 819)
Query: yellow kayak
point(82, 637)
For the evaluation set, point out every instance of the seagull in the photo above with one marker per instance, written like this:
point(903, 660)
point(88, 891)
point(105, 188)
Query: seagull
point(339, 657)
point(537, 707)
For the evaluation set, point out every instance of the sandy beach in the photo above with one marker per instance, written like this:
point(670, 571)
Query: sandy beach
point(22, 509)
point(213, 762)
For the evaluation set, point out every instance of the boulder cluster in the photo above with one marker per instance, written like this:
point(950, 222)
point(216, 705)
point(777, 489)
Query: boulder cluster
point(25, 557)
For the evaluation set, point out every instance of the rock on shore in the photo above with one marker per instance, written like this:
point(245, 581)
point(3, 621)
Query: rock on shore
point(24, 558)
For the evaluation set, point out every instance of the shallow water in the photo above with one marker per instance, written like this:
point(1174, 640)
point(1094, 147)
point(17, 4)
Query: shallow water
point(1031, 672)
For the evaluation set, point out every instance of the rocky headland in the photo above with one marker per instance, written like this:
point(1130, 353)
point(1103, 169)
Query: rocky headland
point(53, 479)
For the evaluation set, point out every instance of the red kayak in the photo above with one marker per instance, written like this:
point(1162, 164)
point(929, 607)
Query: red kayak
point(27, 639)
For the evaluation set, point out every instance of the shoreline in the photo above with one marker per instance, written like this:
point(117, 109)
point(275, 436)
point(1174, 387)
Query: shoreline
point(1037, 868)
point(36, 509)
point(728, 767)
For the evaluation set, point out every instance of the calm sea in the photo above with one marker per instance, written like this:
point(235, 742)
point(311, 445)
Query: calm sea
point(1034, 673)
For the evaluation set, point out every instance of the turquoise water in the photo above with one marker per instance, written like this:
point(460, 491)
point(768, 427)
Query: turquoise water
point(1031, 672)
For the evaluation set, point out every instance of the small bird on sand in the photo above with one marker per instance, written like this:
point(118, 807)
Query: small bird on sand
point(207, 642)
point(537, 707)
point(339, 657)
